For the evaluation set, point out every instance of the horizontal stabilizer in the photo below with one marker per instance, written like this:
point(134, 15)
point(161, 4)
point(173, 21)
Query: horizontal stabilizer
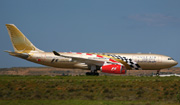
point(21, 55)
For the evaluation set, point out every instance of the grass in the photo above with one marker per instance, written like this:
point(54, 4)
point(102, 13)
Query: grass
point(81, 102)
point(96, 90)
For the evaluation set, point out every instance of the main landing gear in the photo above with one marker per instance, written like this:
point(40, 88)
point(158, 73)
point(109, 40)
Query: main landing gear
point(93, 71)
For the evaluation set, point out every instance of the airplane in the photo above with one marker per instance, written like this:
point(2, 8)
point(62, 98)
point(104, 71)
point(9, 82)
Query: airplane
point(116, 63)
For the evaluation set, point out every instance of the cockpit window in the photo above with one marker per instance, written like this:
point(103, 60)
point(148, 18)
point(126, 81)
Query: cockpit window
point(170, 59)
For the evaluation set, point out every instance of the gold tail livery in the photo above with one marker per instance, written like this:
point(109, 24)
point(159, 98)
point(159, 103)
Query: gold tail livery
point(116, 63)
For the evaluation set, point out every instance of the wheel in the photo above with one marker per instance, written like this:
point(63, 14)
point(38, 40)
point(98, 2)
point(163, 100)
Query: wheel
point(92, 74)
point(97, 74)
point(88, 73)
point(157, 74)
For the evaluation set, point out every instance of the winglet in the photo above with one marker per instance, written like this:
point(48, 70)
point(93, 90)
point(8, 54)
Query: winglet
point(56, 53)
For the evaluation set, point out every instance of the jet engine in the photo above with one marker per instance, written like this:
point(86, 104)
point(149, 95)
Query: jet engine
point(113, 68)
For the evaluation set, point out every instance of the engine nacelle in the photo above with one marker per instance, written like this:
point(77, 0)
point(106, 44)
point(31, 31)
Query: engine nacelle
point(114, 68)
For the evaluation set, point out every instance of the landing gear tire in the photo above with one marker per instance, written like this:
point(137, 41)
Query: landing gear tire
point(157, 74)
point(96, 74)
point(88, 73)
point(92, 74)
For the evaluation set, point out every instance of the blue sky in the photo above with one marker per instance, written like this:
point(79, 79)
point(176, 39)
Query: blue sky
point(119, 26)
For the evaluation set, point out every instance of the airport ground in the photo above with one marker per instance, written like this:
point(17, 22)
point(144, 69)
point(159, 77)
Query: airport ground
point(75, 72)
point(89, 90)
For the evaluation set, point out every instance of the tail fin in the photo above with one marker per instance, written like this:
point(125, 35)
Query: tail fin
point(20, 43)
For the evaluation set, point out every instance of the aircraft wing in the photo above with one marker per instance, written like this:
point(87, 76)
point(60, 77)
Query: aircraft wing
point(84, 60)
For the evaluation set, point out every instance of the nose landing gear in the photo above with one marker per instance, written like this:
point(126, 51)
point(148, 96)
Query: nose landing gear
point(158, 73)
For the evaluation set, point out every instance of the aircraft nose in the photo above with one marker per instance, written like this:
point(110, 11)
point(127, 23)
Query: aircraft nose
point(175, 63)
